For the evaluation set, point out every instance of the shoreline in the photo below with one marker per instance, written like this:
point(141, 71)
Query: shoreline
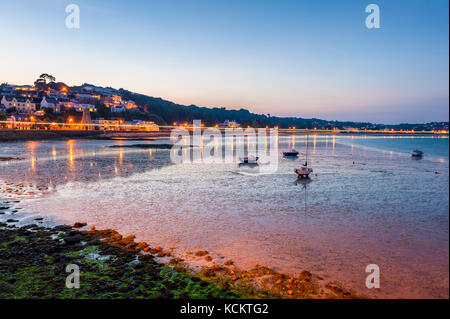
point(35, 135)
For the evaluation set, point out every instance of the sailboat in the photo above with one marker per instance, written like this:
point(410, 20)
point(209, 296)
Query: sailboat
point(416, 153)
point(249, 159)
point(304, 170)
point(292, 153)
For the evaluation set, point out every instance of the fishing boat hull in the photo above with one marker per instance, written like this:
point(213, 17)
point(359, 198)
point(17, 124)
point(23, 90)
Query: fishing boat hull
point(303, 172)
point(249, 160)
point(290, 154)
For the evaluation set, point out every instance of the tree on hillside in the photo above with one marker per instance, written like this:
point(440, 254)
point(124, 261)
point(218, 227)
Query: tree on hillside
point(41, 82)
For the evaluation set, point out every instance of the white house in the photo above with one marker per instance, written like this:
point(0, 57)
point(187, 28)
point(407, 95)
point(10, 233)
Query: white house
point(50, 103)
point(22, 105)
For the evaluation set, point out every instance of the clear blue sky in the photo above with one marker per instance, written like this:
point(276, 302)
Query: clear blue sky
point(310, 58)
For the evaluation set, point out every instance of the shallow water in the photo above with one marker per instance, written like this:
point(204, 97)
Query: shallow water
point(368, 202)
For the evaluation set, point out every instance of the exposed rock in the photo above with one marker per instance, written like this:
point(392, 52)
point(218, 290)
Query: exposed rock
point(229, 263)
point(73, 239)
point(305, 275)
point(201, 253)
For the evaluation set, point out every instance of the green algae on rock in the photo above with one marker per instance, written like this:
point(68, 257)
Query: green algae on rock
point(33, 262)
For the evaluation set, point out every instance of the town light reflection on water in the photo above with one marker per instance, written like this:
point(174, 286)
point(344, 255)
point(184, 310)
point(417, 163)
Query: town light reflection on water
point(70, 145)
point(54, 153)
point(314, 143)
point(32, 147)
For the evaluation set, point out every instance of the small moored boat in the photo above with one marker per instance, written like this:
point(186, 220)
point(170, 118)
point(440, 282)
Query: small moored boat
point(416, 153)
point(304, 171)
point(292, 153)
point(249, 159)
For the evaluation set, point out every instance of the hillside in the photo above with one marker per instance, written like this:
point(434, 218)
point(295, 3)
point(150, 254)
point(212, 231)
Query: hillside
point(166, 112)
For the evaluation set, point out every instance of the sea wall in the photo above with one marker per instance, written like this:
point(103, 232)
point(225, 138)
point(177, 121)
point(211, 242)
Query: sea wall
point(25, 135)
point(17, 135)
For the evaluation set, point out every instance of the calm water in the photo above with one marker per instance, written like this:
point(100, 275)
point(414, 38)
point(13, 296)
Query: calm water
point(368, 202)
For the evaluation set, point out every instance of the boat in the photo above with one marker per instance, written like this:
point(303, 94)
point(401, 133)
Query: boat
point(249, 159)
point(292, 153)
point(416, 153)
point(304, 170)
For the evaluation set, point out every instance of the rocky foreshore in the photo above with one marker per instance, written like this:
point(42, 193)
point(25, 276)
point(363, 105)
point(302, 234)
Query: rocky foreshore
point(34, 257)
point(33, 261)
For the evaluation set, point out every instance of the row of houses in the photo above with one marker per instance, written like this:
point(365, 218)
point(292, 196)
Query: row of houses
point(107, 96)
point(29, 105)
point(120, 125)
point(28, 122)
point(28, 99)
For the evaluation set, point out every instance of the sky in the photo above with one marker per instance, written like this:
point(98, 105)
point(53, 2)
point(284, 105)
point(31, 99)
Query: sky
point(306, 58)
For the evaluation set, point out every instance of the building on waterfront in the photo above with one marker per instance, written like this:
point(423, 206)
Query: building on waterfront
point(57, 94)
point(7, 89)
point(112, 100)
point(88, 88)
point(116, 104)
point(138, 125)
point(230, 124)
point(80, 107)
point(87, 98)
point(108, 125)
point(120, 125)
point(27, 91)
point(19, 122)
point(130, 105)
point(117, 109)
point(50, 103)
point(21, 104)
point(86, 121)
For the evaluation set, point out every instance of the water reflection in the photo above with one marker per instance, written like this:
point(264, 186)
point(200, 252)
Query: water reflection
point(304, 183)
point(57, 162)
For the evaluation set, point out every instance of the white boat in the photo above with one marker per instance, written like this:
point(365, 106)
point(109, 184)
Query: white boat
point(249, 159)
point(304, 170)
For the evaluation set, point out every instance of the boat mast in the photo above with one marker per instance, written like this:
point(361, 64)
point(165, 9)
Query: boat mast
point(307, 139)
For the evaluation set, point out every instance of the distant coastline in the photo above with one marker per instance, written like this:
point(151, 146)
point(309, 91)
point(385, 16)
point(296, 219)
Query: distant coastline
point(34, 135)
